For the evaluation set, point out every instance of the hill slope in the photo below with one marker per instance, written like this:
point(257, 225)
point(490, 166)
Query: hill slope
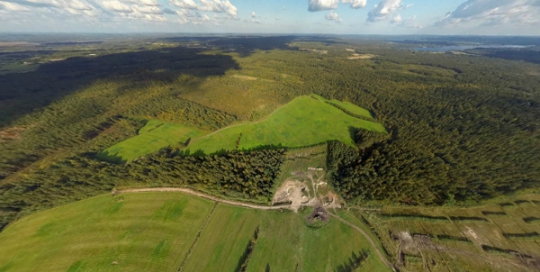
point(305, 121)
point(152, 137)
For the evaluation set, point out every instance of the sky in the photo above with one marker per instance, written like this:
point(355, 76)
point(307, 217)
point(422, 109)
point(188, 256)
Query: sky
point(385, 17)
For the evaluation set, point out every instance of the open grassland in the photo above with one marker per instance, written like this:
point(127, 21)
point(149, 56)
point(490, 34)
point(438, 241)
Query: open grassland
point(168, 231)
point(152, 137)
point(137, 232)
point(501, 235)
point(356, 110)
point(304, 121)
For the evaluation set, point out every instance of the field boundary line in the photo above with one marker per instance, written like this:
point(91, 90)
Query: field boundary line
point(203, 227)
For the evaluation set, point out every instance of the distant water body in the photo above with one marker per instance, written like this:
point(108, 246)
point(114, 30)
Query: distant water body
point(467, 47)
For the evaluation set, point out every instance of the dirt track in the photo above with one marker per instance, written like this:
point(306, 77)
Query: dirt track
point(373, 244)
point(203, 195)
point(253, 206)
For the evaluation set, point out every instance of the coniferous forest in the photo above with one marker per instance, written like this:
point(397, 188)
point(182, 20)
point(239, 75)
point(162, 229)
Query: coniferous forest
point(461, 128)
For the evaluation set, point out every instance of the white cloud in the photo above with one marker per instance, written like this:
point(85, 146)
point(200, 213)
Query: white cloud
point(355, 4)
point(407, 23)
point(396, 19)
point(217, 6)
point(494, 12)
point(253, 15)
point(13, 7)
point(116, 5)
point(318, 5)
point(87, 10)
point(332, 16)
point(384, 10)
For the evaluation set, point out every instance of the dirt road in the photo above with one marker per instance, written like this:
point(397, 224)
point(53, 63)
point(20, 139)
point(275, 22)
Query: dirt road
point(254, 206)
point(205, 196)
point(373, 244)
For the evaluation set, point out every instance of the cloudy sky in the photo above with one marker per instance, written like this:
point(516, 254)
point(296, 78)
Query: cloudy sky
point(489, 17)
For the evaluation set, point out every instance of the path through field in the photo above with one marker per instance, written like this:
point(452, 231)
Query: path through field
point(203, 195)
point(373, 244)
point(258, 207)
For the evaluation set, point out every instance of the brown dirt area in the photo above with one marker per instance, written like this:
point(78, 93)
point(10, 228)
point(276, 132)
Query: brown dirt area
point(294, 192)
point(361, 56)
point(13, 133)
point(324, 52)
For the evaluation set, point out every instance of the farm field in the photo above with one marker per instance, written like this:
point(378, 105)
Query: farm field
point(149, 232)
point(165, 231)
point(152, 137)
point(305, 121)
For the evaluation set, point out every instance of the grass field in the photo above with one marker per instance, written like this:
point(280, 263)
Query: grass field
point(348, 107)
point(160, 232)
point(152, 137)
point(304, 121)
point(144, 232)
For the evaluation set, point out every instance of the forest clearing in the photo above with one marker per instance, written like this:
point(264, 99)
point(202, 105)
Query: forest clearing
point(154, 136)
point(319, 120)
point(302, 122)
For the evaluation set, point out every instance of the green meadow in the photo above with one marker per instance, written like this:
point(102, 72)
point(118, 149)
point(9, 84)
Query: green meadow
point(348, 107)
point(305, 121)
point(152, 137)
point(167, 231)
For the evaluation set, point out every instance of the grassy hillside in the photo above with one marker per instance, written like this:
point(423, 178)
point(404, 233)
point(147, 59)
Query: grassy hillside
point(167, 231)
point(307, 120)
point(152, 137)
point(348, 107)
point(144, 232)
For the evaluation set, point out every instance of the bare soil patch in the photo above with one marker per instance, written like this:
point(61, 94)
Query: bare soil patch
point(245, 77)
point(324, 52)
point(361, 56)
point(349, 50)
point(294, 192)
point(13, 133)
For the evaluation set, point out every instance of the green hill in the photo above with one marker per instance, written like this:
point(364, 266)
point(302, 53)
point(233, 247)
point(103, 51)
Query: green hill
point(305, 121)
point(165, 231)
point(152, 137)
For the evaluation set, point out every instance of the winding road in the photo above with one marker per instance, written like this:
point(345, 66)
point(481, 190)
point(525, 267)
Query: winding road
point(254, 206)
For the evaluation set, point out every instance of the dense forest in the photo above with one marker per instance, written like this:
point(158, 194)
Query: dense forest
point(247, 175)
point(462, 128)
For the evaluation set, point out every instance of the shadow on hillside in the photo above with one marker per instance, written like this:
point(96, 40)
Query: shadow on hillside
point(532, 56)
point(23, 93)
point(247, 45)
point(201, 153)
point(243, 45)
point(108, 157)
